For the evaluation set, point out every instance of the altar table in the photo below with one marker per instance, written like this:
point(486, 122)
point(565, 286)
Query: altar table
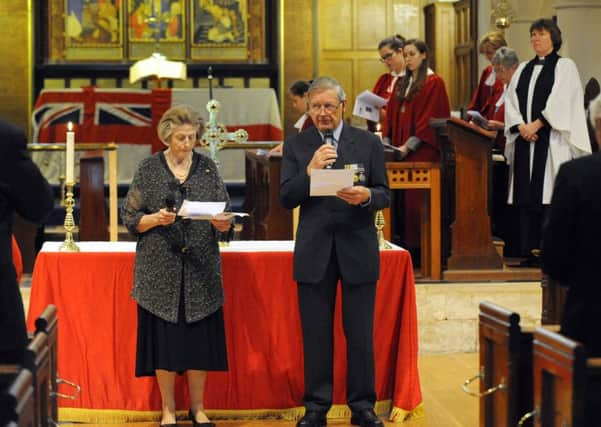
point(97, 335)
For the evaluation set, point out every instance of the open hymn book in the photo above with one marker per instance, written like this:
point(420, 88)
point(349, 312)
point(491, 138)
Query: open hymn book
point(206, 210)
point(157, 65)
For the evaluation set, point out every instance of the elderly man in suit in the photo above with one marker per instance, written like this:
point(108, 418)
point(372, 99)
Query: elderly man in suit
point(24, 190)
point(571, 252)
point(336, 239)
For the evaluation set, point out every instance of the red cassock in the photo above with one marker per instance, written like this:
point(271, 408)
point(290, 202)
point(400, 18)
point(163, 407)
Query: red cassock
point(485, 96)
point(412, 118)
point(384, 88)
point(17, 259)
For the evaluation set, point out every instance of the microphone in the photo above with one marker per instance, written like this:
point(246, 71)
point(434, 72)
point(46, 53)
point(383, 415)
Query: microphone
point(170, 203)
point(170, 198)
point(328, 138)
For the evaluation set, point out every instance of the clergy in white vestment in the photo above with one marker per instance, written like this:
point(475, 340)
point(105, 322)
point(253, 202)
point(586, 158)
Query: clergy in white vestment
point(545, 126)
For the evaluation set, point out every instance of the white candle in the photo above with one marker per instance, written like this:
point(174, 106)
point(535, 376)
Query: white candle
point(69, 154)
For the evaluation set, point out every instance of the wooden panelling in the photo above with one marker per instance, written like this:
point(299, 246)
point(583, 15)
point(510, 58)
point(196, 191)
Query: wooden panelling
point(335, 25)
point(14, 74)
point(342, 70)
point(371, 24)
point(465, 53)
point(348, 34)
point(298, 52)
point(440, 38)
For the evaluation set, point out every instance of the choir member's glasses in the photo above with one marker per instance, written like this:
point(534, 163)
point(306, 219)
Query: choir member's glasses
point(387, 56)
point(329, 108)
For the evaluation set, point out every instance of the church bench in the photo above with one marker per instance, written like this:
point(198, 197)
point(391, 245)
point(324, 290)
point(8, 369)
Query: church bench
point(37, 360)
point(47, 324)
point(505, 367)
point(560, 374)
point(17, 401)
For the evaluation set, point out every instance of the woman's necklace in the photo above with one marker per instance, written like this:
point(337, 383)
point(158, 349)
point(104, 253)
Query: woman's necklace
point(181, 169)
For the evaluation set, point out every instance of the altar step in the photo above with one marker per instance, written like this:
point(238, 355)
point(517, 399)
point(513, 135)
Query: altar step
point(445, 405)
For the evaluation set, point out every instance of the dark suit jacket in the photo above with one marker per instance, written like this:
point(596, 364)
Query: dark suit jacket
point(24, 190)
point(327, 221)
point(571, 247)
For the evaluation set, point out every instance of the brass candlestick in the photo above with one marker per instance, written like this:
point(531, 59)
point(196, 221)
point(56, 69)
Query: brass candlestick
point(69, 224)
point(382, 243)
point(61, 183)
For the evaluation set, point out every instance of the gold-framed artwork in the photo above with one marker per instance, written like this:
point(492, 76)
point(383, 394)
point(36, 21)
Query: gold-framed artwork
point(93, 29)
point(189, 30)
point(221, 24)
point(156, 20)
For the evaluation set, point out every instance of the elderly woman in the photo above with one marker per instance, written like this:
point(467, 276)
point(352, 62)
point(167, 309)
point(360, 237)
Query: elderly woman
point(489, 87)
point(544, 126)
point(177, 278)
point(504, 62)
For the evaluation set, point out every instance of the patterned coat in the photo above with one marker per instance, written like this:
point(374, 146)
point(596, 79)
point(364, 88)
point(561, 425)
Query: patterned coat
point(185, 251)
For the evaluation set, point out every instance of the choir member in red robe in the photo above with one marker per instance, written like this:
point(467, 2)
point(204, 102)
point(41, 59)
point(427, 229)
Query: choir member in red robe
point(420, 96)
point(489, 88)
point(391, 54)
point(298, 98)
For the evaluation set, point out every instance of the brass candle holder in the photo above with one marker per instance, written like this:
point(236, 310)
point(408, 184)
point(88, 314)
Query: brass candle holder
point(382, 243)
point(61, 183)
point(69, 224)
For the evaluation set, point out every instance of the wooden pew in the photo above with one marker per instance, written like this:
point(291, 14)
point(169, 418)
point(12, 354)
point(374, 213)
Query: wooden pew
point(505, 367)
point(38, 361)
point(47, 325)
point(17, 402)
point(561, 372)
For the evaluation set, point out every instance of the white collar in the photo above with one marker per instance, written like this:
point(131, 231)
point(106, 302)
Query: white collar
point(490, 80)
point(301, 121)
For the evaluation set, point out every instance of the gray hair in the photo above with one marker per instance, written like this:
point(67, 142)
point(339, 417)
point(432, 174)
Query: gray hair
point(594, 110)
point(506, 57)
point(175, 117)
point(325, 83)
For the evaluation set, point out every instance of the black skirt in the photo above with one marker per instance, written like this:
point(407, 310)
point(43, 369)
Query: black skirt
point(180, 346)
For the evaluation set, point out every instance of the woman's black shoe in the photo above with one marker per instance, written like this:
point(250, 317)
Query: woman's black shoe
point(197, 424)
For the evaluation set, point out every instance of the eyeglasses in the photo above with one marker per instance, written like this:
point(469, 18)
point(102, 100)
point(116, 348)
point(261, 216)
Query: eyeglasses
point(328, 108)
point(387, 56)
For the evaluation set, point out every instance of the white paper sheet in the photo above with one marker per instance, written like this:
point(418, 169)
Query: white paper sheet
point(326, 182)
point(206, 210)
point(478, 118)
point(367, 106)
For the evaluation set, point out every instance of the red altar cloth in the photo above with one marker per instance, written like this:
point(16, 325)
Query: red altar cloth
point(130, 116)
point(97, 332)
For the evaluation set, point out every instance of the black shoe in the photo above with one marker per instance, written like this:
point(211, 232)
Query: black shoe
point(168, 425)
point(530, 262)
point(312, 419)
point(197, 424)
point(366, 418)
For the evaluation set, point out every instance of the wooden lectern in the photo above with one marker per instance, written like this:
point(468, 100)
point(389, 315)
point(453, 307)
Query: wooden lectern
point(93, 222)
point(471, 242)
point(268, 220)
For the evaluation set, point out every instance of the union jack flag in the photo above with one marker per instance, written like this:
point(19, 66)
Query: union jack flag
point(100, 115)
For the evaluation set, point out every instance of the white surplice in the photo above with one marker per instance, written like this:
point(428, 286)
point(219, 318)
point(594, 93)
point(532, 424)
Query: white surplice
point(564, 111)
